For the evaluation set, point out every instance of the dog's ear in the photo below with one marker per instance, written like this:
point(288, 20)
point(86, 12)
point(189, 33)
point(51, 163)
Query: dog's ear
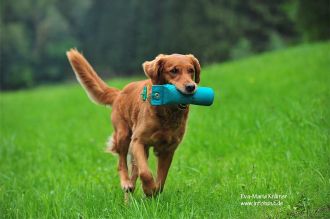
point(153, 69)
point(197, 67)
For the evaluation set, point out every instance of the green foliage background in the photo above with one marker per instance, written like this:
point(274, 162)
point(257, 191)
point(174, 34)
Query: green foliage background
point(117, 36)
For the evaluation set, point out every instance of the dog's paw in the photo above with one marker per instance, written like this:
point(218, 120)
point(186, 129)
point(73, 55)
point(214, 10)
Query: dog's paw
point(149, 192)
point(149, 189)
point(127, 186)
point(148, 184)
point(152, 191)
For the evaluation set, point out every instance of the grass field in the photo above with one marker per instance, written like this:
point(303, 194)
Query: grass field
point(266, 133)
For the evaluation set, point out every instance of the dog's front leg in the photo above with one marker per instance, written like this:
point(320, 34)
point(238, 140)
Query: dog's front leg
point(140, 156)
point(164, 163)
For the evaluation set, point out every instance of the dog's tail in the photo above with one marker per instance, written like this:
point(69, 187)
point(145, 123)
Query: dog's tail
point(97, 90)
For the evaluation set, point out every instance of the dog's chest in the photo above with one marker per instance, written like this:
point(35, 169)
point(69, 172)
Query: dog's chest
point(165, 137)
point(165, 133)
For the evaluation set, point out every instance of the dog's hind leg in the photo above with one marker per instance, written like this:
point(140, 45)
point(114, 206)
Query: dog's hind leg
point(121, 140)
point(125, 181)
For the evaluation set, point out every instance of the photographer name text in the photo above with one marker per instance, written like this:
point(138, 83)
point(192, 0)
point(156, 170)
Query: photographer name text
point(263, 196)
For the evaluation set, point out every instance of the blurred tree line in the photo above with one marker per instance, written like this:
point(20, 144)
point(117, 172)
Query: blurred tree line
point(117, 36)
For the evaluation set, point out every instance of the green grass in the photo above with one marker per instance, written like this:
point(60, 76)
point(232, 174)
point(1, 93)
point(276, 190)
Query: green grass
point(266, 133)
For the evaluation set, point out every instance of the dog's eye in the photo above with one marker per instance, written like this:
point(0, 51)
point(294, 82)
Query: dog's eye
point(174, 70)
point(191, 70)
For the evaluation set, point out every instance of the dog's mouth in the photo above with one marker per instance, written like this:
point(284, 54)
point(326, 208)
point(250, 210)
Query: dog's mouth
point(187, 93)
point(182, 106)
point(184, 91)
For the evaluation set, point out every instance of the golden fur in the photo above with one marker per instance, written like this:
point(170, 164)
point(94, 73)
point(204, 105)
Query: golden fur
point(137, 124)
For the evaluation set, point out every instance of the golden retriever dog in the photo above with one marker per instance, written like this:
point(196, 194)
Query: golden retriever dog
point(137, 124)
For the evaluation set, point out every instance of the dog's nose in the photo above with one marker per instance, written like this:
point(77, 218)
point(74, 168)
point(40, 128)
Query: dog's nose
point(190, 87)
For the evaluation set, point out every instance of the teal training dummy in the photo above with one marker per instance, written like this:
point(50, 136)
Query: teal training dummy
point(167, 94)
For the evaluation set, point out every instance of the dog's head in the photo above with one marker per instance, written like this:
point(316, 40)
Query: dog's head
point(183, 71)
